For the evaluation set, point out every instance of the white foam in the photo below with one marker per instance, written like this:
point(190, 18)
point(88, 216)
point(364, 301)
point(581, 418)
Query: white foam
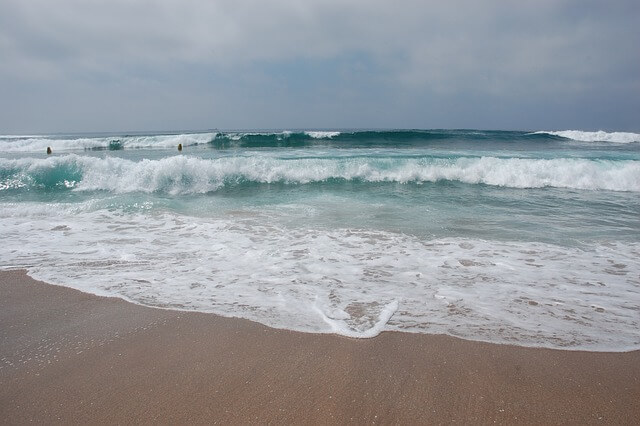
point(347, 281)
point(236, 136)
point(367, 329)
point(40, 143)
point(22, 136)
point(599, 136)
point(184, 174)
point(322, 135)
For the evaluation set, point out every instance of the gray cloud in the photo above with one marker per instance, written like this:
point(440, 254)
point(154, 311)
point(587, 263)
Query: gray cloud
point(112, 65)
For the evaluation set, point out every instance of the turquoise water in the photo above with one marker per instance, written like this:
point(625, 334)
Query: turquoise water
point(530, 238)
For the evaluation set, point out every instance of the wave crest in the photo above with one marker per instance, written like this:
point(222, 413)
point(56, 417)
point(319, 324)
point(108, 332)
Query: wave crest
point(288, 139)
point(323, 135)
point(40, 143)
point(191, 175)
point(599, 136)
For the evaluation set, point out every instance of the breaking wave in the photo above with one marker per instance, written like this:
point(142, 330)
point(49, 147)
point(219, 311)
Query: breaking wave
point(288, 139)
point(192, 175)
point(40, 143)
point(600, 136)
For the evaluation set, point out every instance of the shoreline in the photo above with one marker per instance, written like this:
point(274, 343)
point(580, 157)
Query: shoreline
point(72, 357)
point(257, 323)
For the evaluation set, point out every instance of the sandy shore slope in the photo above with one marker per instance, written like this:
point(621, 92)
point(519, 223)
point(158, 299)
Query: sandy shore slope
point(71, 357)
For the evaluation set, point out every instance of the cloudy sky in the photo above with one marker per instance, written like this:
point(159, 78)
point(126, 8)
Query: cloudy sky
point(124, 65)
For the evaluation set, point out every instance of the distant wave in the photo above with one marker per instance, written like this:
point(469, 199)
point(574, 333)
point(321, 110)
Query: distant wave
point(191, 175)
point(600, 136)
point(40, 143)
point(354, 139)
point(22, 136)
point(322, 135)
point(266, 139)
point(293, 139)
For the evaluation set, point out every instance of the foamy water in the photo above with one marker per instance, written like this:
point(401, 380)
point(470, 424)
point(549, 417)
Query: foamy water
point(34, 143)
point(599, 136)
point(347, 281)
point(188, 174)
point(503, 237)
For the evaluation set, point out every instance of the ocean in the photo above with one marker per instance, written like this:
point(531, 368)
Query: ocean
point(515, 237)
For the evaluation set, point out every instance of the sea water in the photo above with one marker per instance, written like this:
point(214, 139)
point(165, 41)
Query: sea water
point(526, 238)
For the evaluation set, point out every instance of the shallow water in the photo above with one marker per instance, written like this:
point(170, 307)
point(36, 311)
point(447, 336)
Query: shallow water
point(511, 237)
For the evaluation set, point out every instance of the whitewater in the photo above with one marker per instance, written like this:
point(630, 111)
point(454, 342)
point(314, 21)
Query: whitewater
point(529, 238)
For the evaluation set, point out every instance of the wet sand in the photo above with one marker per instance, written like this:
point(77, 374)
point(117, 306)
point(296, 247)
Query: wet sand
point(71, 357)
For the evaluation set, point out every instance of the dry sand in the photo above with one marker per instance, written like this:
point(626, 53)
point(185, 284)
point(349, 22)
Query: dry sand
point(70, 357)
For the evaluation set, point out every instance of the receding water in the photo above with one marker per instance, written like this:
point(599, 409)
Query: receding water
point(512, 237)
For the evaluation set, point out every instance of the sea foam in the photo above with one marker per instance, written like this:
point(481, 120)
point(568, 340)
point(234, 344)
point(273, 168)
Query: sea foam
point(192, 175)
point(354, 282)
point(322, 135)
point(40, 143)
point(600, 136)
point(427, 231)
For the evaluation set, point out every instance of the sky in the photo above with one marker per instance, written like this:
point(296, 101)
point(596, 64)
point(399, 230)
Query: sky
point(127, 65)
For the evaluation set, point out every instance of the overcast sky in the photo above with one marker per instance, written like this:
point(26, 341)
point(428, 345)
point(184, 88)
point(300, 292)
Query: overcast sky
point(124, 65)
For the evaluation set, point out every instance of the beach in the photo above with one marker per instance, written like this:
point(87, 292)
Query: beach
point(319, 213)
point(72, 357)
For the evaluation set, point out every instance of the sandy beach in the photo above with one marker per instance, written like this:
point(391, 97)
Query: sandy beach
point(71, 357)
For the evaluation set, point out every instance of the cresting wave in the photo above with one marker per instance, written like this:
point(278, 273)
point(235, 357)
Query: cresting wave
point(192, 175)
point(34, 143)
point(40, 143)
point(266, 139)
point(600, 136)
